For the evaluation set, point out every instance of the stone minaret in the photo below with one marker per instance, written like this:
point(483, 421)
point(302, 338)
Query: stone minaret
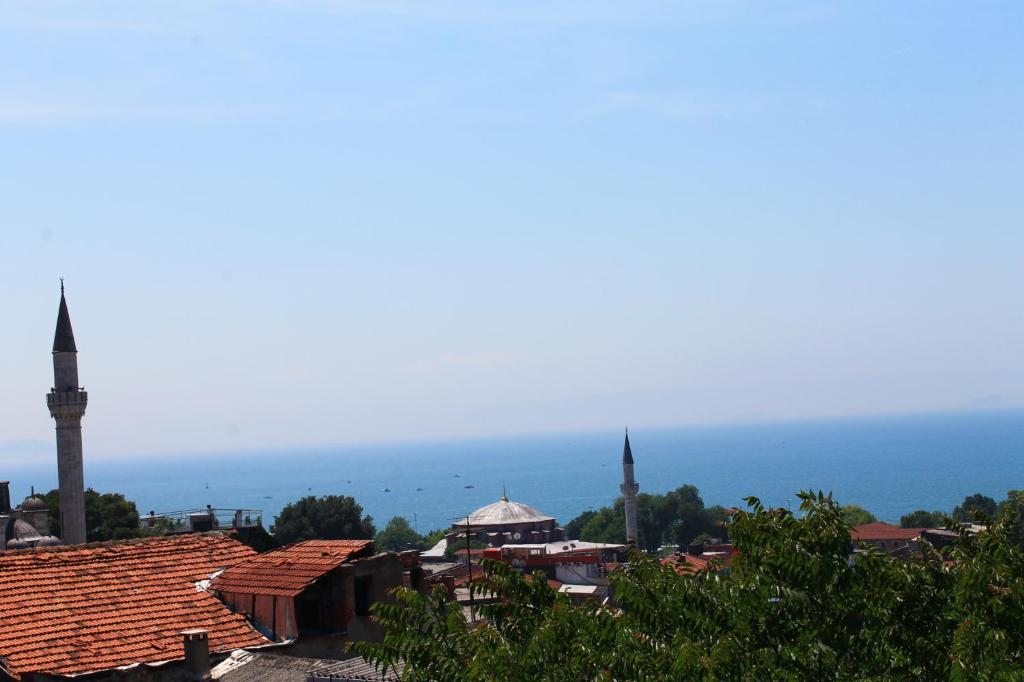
point(629, 490)
point(66, 401)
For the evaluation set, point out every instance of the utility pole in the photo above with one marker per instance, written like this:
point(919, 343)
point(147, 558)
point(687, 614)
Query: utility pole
point(469, 564)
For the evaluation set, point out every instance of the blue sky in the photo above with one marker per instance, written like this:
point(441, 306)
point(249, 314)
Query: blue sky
point(290, 223)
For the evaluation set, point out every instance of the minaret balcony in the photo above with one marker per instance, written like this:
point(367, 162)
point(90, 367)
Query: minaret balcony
point(67, 404)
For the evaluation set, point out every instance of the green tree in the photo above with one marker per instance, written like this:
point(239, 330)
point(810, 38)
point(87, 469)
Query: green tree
point(856, 515)
point(433, 537)
point(677, 517)
point(607, 524)
point(794, 606)
point(574, 529)
point(1011, 516)
point(330, 517)
point(988, 600)
point(398, 536)
point(108, 516)
point(972, 505)
point(923, 519)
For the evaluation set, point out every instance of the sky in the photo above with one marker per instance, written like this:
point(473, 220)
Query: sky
point(303, 223)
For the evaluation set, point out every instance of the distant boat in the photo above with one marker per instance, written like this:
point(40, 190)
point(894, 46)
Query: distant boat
point(268, 497)
point(458, 476)
point(348, 481)
point(386, 490)
point(419, 490)
point(469, 486)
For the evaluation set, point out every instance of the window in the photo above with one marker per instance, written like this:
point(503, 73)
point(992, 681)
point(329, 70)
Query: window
point(364, 594)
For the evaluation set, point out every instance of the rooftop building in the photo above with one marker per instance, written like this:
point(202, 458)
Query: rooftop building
point(315, 588)
point(69, 611)
point(885, 536)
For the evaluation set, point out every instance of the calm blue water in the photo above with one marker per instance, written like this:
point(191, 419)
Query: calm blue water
point(889, 465)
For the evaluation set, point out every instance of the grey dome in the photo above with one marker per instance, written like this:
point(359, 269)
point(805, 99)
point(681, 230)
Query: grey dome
point(22, 530)
point(34, 504)
point(505, 512)
point(17, 544)
point(49, 541)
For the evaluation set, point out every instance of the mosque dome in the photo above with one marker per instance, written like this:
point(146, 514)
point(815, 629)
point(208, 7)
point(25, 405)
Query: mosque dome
point(17, 544)
point(34, 504)
point(22, 530)
point(505, 512)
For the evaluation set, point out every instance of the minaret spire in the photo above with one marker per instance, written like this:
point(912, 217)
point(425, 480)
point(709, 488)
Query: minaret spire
point(629, 490)
point(63, 336)
point(67, 401)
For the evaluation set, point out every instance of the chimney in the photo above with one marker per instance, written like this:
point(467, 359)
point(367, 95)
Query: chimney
point(5, 497)
point(197, 654)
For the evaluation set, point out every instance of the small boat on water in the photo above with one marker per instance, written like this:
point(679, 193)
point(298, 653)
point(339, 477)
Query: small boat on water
point(419, 490)
point(457, 476)
point(386, 490)
point(469, 486)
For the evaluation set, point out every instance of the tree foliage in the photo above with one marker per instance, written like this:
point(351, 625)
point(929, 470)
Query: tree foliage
point(923, 519)
point(856, 515)
point(677, 517)
point(967, 510)
point(793, 606)
point(108, 516)
point(398, 535)
point(330, 517)
point(433, 537)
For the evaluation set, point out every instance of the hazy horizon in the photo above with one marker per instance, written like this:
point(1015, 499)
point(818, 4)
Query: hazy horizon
point(13, 452)
point(289, 224)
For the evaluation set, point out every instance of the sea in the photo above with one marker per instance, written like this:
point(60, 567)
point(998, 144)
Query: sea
point(890, 465)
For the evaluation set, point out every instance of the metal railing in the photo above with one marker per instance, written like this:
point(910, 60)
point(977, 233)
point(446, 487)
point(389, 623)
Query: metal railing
point(201, 519)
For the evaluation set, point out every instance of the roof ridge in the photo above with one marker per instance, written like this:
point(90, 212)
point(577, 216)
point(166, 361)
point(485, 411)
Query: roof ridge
point(114, 544)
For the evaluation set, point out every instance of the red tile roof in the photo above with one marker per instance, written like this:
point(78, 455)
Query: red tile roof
point(81, 609)
point(288, 571)
point(684, 564)
point(878, 531)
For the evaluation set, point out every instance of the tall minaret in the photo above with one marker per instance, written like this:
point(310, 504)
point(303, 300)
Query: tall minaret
point(66, 401)
point(629, 490)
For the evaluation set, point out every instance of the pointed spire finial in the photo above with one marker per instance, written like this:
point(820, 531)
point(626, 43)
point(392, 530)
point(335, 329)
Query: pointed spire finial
point(504, 494)
point(627, 453)
point(63, 337)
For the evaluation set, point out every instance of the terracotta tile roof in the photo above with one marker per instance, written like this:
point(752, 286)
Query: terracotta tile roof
point(684, 564)
point(74, 610)
point(288, 571)
point(868, 532)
